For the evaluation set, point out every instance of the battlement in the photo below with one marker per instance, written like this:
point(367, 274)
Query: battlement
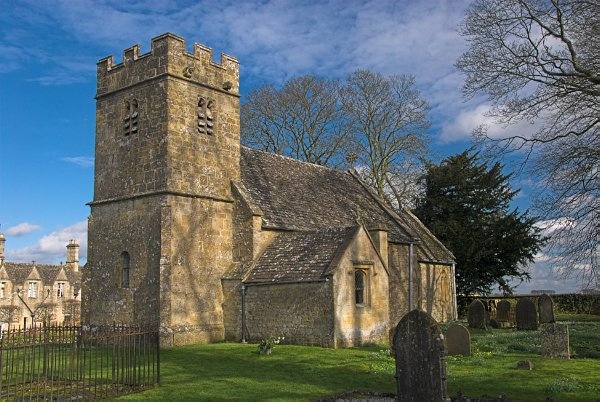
point(168, 56)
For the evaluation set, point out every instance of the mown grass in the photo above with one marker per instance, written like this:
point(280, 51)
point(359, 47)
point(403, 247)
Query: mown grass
point(231, 371)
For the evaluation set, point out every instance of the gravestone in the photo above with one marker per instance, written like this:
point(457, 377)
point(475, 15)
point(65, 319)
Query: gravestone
point(458, 340)
point(503, 310)
point(526, 314)
point(546, 309)
point(524, 365)
point(420, 358)
point(555, 340)
point(476, 314)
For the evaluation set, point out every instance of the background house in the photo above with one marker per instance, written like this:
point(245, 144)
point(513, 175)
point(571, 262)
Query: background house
point(33, 293)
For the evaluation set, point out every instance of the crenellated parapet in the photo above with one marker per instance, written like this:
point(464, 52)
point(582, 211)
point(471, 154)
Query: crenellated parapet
point(168, 56)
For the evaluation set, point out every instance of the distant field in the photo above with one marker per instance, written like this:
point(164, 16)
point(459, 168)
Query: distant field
point(231, 371)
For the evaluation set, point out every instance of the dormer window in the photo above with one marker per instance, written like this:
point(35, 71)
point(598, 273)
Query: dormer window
point(60, 292)
point(2, 290)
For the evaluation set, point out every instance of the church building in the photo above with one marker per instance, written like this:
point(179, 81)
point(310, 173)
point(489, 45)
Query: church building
point(214, 241)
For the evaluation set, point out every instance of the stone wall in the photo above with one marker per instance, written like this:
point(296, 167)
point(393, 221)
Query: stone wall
point(200, 252)
point(131, 226)
point(300, 312)
point(366, 322)
point(398, 273)
point(433, 291)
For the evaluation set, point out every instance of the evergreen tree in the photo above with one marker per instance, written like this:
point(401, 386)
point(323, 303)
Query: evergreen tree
point(467, 206)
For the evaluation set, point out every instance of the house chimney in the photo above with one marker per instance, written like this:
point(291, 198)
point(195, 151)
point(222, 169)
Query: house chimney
point(379, 234)
point(2, 242)
point(73, 255)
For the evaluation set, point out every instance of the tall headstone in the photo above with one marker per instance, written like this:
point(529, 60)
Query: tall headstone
point(526, 314)
point(420, 359)
point(546, 309)
point(458, 340)
point(476, 314)
point(503, 310)
point(555, 340)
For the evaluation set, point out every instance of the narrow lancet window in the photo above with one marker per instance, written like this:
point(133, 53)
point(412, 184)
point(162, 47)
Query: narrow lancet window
point(125, 269)
point(359, 286)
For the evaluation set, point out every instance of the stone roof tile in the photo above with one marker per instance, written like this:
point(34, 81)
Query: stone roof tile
point(295, 195)
point(300, 256)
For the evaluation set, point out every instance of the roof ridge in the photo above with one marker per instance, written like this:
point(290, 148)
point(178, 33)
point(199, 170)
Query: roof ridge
point(291, 159)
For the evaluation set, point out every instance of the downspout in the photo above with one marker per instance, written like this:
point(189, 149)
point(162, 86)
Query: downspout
point(410, 277)
point(244, 313)
point(454, 291)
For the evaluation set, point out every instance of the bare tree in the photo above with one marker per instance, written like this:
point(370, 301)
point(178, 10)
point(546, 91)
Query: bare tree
point(539, 61)
point(302, 120)
point(374, 123)
point(8, 313)
point(388, 121)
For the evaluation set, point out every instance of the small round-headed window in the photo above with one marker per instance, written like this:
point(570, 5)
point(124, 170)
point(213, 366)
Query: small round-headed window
point(125, 269)
point(360, 290)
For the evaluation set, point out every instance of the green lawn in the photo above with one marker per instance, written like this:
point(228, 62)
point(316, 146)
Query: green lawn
point(230, 371)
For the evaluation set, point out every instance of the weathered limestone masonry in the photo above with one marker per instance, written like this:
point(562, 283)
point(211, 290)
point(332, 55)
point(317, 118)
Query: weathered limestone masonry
point(160, 228)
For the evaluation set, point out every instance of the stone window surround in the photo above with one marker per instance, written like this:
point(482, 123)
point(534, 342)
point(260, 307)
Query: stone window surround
point(60, 291)
point(205, 114)
point(362, 299)
point(32, 290)
point(125, 269)
point(130, 119)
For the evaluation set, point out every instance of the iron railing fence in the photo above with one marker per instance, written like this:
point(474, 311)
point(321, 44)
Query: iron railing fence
point(77, 362)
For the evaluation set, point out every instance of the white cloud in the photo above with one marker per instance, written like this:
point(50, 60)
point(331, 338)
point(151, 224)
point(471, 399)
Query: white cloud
point(545, 277)
point(470, 118)
point(83, 161)
point(52, 248)
point(22, 229)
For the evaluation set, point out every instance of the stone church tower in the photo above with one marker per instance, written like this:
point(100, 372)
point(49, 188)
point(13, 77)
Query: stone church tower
point(160, 229)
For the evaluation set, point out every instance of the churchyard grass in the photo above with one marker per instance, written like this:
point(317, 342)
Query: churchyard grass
point(230, 371)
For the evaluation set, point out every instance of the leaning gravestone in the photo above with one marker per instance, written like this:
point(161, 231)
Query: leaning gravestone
point(503, 310)
point(420, 359)
point(476, 314)
point(526, 314)
point(458, 340)
point(555, 340)
point(546, 309)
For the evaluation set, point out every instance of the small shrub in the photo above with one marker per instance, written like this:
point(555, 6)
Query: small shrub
point(383, 362)
point(563, 384)
point(266, 346)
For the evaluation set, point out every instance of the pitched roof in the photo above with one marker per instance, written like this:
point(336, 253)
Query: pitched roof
point(429, 248)
point(300, 256)
point(18, 272)
point(296, 195)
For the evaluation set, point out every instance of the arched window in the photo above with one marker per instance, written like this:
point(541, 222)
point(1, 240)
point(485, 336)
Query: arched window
point(359, 286)
point(125, 269)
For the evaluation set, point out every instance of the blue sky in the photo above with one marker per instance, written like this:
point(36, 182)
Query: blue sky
point(48, 55)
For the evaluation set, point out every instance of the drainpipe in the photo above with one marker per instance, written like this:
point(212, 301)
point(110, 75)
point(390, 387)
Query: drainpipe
point(244, 313)
point(410, 277)
point(454, 291)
